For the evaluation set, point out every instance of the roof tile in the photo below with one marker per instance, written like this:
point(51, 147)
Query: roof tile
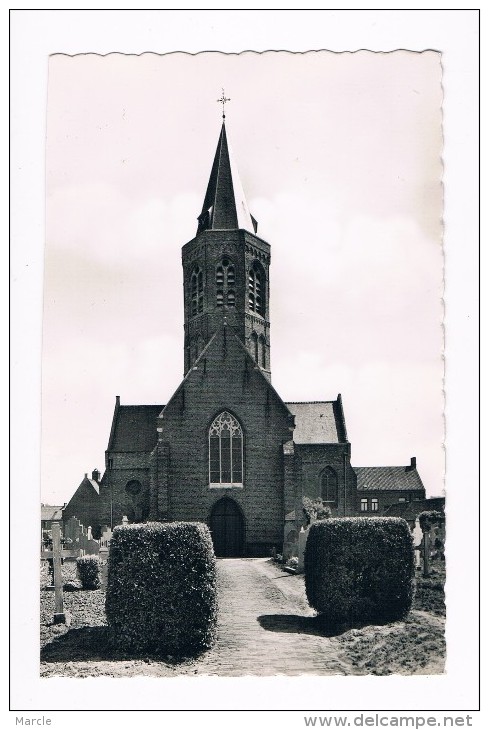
point(386, 478)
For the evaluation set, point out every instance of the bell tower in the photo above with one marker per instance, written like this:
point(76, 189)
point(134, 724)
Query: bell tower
point(226, 268)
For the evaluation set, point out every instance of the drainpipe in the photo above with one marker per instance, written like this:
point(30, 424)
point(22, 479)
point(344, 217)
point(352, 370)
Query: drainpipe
point(344, 483)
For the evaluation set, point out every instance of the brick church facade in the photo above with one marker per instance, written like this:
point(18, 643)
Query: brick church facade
point(226, 449)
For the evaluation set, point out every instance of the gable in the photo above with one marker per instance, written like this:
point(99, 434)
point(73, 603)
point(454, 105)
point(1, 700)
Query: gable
point(225, 376)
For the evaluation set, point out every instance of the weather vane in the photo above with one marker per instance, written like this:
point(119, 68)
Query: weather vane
point(223, 101)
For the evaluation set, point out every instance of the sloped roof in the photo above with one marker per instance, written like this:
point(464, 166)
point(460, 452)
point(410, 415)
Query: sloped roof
point(134, 428)
point(410, 510)
point(94, 485)
point(316, 422)
point(225, 205)
point(386, 478)
point(51, 512)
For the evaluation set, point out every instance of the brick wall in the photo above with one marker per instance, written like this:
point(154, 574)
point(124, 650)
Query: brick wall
point(313, 459)
point(227, 381)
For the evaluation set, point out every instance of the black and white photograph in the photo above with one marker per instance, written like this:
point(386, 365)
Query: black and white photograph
point(243, 440)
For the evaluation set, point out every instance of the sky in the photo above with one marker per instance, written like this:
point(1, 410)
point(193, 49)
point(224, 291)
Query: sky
point(340, 156)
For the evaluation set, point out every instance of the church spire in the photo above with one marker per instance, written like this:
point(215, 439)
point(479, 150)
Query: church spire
point(225, 206)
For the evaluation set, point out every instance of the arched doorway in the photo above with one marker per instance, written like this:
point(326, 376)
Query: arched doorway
point(227, 529)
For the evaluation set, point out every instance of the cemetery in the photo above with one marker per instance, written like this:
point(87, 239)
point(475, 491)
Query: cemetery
point(151, 599)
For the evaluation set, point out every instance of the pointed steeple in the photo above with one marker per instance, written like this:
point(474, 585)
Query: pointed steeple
point(225, 206)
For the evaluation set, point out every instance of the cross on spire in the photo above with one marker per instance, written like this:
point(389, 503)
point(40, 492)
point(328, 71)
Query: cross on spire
point(223, 101)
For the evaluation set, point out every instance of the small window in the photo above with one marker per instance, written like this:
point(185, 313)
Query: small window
point(402, 499)
point(219, 299)
point(254, 340)
point(231, 298)
point(374, 504)
point(364, 505)
point(263, 352)
point(196, 292)
point(230, 276)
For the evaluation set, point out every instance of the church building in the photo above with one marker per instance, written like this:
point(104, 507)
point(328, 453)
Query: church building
point(226, 450)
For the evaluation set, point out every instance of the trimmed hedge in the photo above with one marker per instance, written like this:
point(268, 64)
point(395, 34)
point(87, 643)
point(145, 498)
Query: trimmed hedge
point(161, 588)
point(360, 569)
point(428, 518)
point(88, 569)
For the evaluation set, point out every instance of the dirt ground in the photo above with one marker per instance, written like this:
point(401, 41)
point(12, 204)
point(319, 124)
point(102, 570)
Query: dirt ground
point(265, 628)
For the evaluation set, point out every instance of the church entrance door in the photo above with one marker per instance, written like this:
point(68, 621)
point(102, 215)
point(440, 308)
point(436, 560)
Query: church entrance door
point(227, 529)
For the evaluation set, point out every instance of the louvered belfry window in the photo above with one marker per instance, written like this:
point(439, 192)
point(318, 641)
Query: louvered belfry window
point(225, 451)
point(256, 288)
point(225, 278)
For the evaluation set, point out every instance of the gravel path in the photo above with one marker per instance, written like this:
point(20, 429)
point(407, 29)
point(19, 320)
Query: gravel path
point(266, 627)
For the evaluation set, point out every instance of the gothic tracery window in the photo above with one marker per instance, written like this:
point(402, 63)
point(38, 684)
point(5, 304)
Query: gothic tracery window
point(225, 451)
point(196, 292)
point(329, 486)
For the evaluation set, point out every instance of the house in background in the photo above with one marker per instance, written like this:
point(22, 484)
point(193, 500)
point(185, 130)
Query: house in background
point(381, 487)
point(84, 504)
point(49, 514)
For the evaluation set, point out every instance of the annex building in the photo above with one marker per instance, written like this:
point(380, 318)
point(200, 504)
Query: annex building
point(226, 449)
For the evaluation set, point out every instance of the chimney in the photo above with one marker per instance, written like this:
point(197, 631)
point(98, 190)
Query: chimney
point(413, 463)
point(96, 475)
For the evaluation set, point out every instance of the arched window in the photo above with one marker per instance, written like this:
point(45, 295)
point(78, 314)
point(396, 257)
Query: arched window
point(263, 351)
point(254, 344)
point(329, 486)
point(225, 278)
point(138, 508)
point(196, 292)
point(225, 451)
point(256, 289)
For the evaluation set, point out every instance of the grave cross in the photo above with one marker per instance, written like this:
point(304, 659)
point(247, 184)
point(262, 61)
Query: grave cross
point(59, 615)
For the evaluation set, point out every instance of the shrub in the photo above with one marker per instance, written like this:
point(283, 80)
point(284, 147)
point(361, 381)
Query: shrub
point(70, 586)
point(428, 518)
point(314, 510)
point(88, 568)
point(161, 588)
point(360, 569)
point(293, 562)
